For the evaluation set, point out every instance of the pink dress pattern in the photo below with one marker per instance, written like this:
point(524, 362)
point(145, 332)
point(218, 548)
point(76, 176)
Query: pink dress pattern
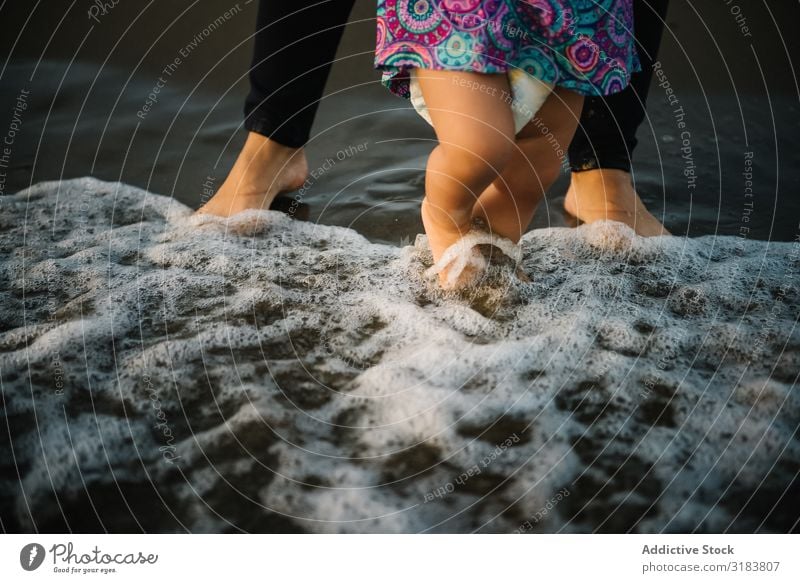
point(583, 45)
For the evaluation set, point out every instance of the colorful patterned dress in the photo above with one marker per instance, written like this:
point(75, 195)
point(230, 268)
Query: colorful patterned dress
point(583, 45)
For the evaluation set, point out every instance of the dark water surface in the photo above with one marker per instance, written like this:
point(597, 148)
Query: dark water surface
point(87, 80)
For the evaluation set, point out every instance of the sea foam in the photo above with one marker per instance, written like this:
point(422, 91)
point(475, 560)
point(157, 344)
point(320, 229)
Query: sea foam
point(163, 371)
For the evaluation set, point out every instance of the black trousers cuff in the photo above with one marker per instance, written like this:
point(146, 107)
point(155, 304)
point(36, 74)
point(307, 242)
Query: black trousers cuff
point(276, 127)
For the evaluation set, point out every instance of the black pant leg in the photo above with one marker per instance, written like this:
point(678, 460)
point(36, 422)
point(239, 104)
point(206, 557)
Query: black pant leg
point(606, 136)
point(295, 44)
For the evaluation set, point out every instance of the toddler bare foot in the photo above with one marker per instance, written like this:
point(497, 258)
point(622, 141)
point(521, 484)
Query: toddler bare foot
point(606, 194)
point(465, 261)
point(443, 232)
point(263, 170)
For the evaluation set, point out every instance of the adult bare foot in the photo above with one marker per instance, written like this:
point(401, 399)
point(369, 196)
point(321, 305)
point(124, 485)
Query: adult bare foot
point(263, 170)
point(607, 194)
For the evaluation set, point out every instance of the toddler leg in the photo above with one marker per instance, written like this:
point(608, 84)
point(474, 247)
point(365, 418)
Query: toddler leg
point(508, 204)
point(475, 129)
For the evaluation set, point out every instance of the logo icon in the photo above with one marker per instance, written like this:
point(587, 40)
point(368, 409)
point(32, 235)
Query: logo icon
point(31, 556)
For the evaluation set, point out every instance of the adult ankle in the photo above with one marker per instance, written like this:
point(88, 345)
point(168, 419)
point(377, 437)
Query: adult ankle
point(607, 178)
point(258, 146)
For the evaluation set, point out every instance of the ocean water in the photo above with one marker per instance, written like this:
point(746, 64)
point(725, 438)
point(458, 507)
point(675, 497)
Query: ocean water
point(87, 81)
point(167, 372)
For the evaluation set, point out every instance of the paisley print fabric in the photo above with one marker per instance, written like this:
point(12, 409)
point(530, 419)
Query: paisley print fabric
point(584, 45)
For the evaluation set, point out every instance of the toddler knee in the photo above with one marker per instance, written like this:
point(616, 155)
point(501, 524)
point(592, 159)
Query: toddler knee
point(480, 160)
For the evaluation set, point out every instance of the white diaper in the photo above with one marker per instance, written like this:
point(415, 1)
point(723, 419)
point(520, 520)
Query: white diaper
point(527, 96)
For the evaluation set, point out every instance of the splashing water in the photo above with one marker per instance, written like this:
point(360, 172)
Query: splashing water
point(166, 372)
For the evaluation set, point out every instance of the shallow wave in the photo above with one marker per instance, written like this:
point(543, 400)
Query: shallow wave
point(164, 371)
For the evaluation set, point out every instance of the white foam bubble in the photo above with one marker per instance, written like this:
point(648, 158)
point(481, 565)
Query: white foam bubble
point(269, 374)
